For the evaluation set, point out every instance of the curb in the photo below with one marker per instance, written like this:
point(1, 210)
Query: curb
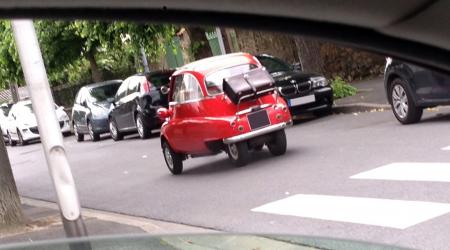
point(148, 225)
point(359, 107)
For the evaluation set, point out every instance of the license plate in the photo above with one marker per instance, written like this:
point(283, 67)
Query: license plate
point(258, 119)
point(302, 100)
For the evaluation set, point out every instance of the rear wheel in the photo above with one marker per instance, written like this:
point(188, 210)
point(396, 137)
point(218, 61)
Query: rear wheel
point(94, 136)
point(174, 161)
point(277, 146)
point(10, 141)
point(402, 103)
point(143, 130)
point(114, 131)
point(78, 136)
point(238, 153)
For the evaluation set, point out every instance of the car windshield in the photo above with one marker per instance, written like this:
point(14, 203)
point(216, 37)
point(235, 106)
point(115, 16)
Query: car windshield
point(274, 65)
point(102, 93)
point(214, 80)
point(354, 146)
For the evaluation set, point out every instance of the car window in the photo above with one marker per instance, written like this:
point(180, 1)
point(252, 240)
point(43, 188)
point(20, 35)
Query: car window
point(160, 79)
point(102, 93)
point(274, 65)
point(122, 91)
point(187, 88)
point(214, 81)
point(5, 111)
point(133, 86)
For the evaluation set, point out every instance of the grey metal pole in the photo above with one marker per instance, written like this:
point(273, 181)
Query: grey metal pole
point(49, 129)
point(144, 61)
point(220, 39)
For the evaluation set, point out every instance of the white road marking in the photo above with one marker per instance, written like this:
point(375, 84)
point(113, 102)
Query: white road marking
point(409, 171)
point(369, 211)
point(446, 148)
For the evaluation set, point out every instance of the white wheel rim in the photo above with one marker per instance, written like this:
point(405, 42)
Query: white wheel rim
point(400, 101)
point(168, 157)
point(140, 126)
point(232, 148)
point(113, 129)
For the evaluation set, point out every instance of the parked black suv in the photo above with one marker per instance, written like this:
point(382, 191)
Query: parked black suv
point(302, 91)
point(136, 103)
point(411, 88)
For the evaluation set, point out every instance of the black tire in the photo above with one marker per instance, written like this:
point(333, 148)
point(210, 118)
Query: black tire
point(402, 103)
point(277, 146)
point(143, 130)
point(79, 137)
point(324, 112)
point(10, 141)
point(115, 134)
point(94, 136)
point(21, 141)
point(238, 153)
point(174, 161)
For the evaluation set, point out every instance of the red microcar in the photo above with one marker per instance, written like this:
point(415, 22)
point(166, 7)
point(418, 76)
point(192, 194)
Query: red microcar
point(223, 103)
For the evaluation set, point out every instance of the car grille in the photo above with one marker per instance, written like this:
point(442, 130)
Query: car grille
point(294, 89)
point(34, 130)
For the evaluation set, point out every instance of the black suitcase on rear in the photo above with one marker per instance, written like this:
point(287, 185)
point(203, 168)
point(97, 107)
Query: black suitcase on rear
point(248, 86)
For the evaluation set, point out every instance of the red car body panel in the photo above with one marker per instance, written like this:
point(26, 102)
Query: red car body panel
point(193, 124)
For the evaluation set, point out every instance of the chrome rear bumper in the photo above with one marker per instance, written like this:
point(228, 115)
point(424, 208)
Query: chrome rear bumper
point(253, 134)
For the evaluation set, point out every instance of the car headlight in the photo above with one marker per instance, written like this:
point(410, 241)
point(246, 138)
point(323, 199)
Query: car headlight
point(319, 81)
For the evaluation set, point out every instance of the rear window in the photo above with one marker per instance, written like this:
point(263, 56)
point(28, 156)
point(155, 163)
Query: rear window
point(214, 81)
point(159, 80)
point(102, 93)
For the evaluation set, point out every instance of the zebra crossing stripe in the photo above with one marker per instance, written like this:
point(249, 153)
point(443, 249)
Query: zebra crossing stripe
point(409, 171)
point(399, 214)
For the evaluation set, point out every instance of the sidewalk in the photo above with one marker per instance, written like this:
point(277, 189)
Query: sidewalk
point(371, 96)
point(43, 222)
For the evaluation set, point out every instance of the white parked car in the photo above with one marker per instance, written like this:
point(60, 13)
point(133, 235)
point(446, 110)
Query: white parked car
point(22, 124)
point(4, 110)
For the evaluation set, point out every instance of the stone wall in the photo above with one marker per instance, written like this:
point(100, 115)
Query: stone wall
point(350, 64)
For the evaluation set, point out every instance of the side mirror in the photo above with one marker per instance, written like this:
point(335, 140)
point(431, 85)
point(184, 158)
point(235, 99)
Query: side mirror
point(297, 67)
point(165, 90)
point(164, 113)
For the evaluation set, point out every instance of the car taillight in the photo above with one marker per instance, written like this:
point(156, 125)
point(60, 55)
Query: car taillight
point(146, 86)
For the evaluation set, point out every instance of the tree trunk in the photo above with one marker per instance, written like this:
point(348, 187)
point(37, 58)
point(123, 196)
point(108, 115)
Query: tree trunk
point(10, 208)
point(96, 74)
point(309, 55)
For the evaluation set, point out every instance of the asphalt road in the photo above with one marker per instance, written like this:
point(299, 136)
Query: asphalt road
point(131, 177)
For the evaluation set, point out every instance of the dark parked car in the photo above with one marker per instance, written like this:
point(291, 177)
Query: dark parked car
point(136, 103)
point(91, 108)
point(303, 92)
point(410, 89)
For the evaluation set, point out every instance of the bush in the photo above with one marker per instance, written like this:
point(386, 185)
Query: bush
point(342, 88)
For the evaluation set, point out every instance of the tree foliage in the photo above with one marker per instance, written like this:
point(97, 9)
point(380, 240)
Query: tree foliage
point(83, 51)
